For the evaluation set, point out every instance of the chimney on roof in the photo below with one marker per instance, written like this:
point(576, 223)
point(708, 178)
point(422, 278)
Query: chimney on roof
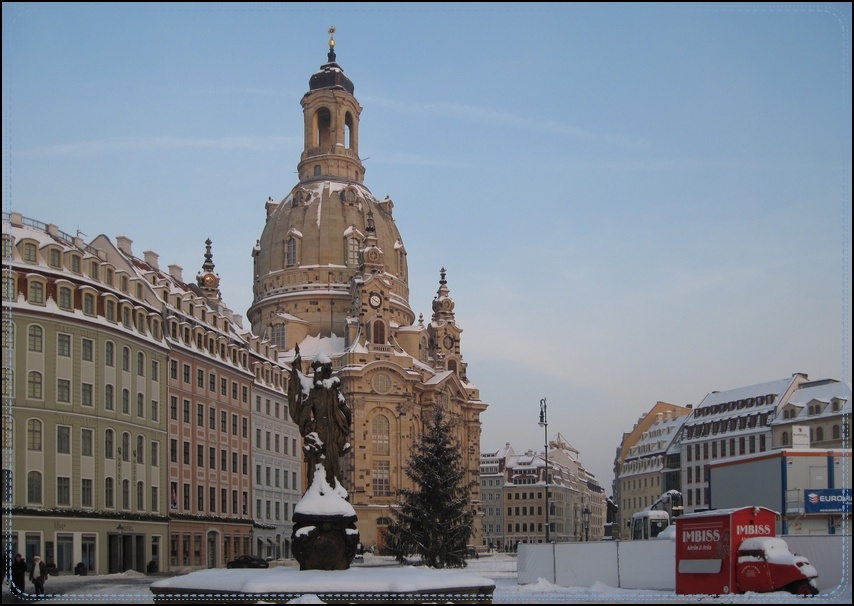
point(124, 244)
point(176, 271)
point(151, 258)
point(658, 417)
point(668, 415)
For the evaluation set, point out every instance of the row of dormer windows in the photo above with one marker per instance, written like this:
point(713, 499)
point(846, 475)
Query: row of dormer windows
point(735, 405)
point(57, 258)
point(724, 425)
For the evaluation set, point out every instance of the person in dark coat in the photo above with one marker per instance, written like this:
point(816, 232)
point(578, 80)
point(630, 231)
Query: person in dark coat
point(38, 575)
point(19, 573)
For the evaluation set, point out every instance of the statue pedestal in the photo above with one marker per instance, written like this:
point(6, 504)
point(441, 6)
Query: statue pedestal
point(324, 542)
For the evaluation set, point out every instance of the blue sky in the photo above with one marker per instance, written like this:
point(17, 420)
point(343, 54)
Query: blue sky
point(634, 203)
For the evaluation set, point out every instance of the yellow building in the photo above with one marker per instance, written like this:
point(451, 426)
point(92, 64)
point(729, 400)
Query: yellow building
point(648, 462)
point(330, 274)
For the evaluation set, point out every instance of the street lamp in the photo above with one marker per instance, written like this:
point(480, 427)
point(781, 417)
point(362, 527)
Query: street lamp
point(585, 514)
point(544, 423)
point(121, 529)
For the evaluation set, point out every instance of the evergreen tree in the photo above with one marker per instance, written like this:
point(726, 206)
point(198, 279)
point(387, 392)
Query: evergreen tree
point(433, 519)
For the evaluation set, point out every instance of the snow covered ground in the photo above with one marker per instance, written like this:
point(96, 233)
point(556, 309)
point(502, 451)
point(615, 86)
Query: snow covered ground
point(132, 588)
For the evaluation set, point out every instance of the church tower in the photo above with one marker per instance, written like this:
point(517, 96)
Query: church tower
point(330, 275)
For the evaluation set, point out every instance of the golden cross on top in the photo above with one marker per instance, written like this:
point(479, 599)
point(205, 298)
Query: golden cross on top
point(331, 36)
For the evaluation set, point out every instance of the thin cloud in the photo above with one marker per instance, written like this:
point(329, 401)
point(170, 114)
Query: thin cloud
point(84, 149)
point(490, 115)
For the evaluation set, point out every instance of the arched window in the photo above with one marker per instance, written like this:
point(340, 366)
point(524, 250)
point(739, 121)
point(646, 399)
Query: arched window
point(108, 397)
point(34, 434)
point(35, 293)
point(34, 487)
point(279, 336)
point(109, 443)
point(140, 495)
point(109, 351)
point(89, 304)
point(819, 434)
point(140, 450)
point(125, 494)
point(125, 446)
point(34, 385)
point(125, 401)
point(34, 338)
point(109, 493)
point(835, 432)
point(291, 254)
point(378, 332)
point(452, 365)
point(784, 438)
point(352, 251)
point(64, 297)
point(380, 435)
point(140, 364)
point(126, 359)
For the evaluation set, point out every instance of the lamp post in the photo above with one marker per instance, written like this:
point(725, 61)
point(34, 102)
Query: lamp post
point(585, 514)
point(544, 423)
point(121, 529)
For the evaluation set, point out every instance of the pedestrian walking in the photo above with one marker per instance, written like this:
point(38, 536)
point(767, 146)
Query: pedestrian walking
point(19, 573)
point(38, 575)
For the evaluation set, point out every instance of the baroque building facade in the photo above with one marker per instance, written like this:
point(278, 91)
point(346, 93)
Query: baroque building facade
point(128, 419)
point(330, 275)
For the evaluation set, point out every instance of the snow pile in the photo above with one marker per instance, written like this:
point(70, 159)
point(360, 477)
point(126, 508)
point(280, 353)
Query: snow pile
point(322, 499)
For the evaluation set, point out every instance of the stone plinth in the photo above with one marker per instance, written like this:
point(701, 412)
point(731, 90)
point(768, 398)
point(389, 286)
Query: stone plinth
point(324, 542)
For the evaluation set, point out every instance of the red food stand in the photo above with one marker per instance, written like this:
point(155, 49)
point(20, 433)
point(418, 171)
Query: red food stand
point(707, 545)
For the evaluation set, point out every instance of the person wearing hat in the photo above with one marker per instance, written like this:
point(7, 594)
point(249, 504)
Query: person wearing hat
point(19, 573)
point(38, 575)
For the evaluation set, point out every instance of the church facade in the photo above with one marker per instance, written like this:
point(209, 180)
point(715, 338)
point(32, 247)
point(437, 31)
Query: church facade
point(330, 275)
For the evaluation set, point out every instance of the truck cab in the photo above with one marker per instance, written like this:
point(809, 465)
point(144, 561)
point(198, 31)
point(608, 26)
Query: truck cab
point(766, 564)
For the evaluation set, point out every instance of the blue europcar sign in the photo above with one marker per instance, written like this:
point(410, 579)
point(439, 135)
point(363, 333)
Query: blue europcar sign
point(827, 500)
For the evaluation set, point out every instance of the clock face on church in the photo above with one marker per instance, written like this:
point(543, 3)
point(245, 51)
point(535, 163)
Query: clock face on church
point(448, 342)
point(209, 281)
point(375, 300)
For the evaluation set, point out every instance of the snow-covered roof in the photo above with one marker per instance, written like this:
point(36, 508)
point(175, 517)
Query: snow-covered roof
point(776, 387)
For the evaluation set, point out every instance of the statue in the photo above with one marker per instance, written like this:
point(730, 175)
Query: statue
point(324, 534)
point(322, 416)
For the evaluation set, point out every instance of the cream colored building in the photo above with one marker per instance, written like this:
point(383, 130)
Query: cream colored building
point(84, 383)
point(330, 274)
point(651, 466)
point(821, 410)
point(575, 502)
point(648, 462)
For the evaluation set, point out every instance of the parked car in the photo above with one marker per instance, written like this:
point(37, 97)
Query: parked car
point(248, 561)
